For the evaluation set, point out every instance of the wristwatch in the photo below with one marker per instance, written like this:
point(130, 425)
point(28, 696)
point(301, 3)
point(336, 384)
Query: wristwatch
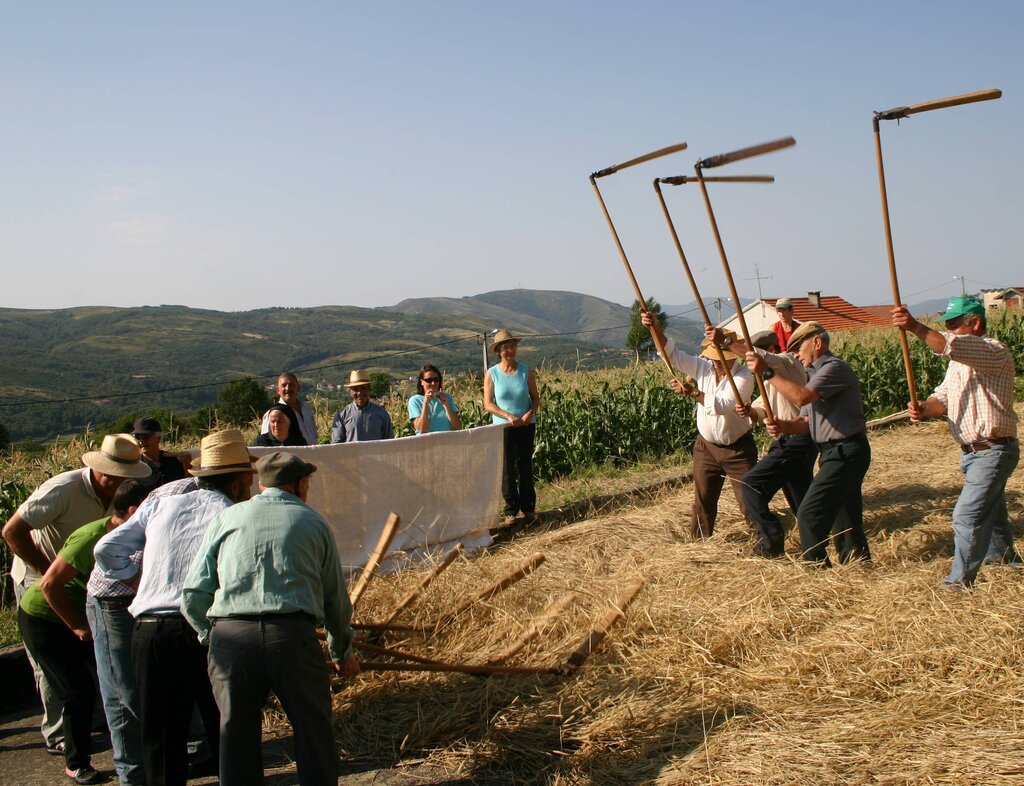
point(767, 374)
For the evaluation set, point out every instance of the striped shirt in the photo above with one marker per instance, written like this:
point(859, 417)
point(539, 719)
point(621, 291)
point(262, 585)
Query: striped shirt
point(977, 390)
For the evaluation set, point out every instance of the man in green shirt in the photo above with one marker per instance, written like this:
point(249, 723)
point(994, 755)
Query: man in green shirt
point(265, 577)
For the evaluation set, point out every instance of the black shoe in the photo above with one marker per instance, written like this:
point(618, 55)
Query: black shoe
point(774, 551)
point(86, 774)
point(56, 749)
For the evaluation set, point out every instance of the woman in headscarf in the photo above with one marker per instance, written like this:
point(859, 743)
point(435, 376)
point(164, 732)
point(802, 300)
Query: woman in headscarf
point(431, 409)
point(284, 429)
point(510, 395)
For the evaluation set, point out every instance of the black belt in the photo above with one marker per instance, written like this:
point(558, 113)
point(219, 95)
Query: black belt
point(833, 442)
point(143, 619)
point(746, 437)
point(115, 603)
point(985, 444)
point(271, 617)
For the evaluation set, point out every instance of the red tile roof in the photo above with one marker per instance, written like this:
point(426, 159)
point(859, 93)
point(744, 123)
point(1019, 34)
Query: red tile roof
point(836, 314)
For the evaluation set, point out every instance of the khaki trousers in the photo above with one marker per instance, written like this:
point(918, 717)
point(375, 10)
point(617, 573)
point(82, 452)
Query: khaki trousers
point(712, 464)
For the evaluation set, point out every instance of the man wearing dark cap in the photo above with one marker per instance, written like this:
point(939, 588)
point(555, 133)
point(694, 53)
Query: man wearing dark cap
point(832, 413)
point(789, 463)
point(266, 576)
point(166, 466)
point(976, 399)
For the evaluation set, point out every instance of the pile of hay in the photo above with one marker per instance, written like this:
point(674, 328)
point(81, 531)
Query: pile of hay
point(727, 669)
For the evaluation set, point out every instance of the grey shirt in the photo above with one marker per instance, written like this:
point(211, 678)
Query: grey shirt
point(352, 424)
point(839, 413)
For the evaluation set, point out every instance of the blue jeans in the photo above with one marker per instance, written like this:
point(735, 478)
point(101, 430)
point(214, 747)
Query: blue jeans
point(112, 641)
point(981, 526)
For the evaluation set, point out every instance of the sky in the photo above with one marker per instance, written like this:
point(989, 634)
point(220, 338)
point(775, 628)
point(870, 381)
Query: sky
point(236, 155)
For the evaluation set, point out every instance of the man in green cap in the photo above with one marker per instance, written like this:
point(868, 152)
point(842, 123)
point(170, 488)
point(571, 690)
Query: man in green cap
point(976, 398)
point(266, 576)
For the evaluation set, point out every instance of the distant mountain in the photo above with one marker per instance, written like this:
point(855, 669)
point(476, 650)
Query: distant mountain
point(96, 364)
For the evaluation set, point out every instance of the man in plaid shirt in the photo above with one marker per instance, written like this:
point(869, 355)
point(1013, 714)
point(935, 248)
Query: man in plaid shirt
point(976, 396)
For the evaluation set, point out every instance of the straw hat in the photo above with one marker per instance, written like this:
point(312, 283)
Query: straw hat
point(710, 353)
point(119, 455)
point(500, 338)
point(805, 331)
point(222, 452)
point(358, 378)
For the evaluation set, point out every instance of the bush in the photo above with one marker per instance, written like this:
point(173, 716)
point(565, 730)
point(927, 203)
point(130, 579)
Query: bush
point(241, 401)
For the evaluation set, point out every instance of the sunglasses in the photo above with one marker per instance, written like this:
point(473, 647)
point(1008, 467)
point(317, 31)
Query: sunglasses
point(431, 379)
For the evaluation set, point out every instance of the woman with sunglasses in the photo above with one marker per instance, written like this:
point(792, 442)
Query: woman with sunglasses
point(431, 409)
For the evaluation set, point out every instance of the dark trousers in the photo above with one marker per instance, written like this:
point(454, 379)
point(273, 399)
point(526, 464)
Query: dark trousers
point(248, 659)
point(170, 670)
point(517, 478)
point(68, 663)
point(712, 464)
point(833, 503)
point(788, 465)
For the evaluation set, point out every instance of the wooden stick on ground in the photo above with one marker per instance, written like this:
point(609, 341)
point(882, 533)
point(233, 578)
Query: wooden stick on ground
point(418, 590)
point(551, 612)
point(459, 668)
point(373, 649)
point(525, 569)
point(597, 635)
point(383, 543)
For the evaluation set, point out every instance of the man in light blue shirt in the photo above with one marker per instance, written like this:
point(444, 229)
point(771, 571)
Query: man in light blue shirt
point(266, 576)
point(362, 420)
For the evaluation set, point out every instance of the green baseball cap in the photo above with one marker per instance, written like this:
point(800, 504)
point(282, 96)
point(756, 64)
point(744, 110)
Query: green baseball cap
point(959, 306)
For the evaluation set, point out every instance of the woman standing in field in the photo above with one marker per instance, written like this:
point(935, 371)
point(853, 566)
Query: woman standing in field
point(431, 409)
point(510, 395)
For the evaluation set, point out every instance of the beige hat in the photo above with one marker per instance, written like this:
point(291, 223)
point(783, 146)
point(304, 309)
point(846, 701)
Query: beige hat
point(222, 452)
point(710, 353)
point(500, 338)
point(783, 302)
point(804, 331)
point(119, 456)
point(358, 378)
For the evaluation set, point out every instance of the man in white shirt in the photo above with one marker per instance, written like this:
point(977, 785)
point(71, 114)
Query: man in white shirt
point(288, 388)
point(724, 446)
point(170, 663)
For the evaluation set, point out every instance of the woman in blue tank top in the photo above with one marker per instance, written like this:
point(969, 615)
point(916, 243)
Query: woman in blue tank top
point(510, 395)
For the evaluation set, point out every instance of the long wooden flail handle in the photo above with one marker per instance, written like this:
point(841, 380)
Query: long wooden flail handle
point(908, 365)
point(383, 544)
point(658, 343)
point(551, 612)
point(696, 292)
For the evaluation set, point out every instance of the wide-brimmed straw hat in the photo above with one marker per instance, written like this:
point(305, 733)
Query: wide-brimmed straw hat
point(801, 334)
point(500, 338)
point(710, 353)
point(358, 378)
point(222, 452)
point(119, 455)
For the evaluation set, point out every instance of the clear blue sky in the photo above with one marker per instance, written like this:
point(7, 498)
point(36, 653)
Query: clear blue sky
point(234, 155)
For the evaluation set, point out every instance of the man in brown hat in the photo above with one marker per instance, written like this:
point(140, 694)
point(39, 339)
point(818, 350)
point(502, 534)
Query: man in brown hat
point(169, 661)
point(265, 634)
point(832, 413)
point(724, 446)
point(362, 420)
point(38, 529)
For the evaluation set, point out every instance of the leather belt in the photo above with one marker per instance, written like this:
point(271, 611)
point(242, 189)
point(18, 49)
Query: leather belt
point(985, 444)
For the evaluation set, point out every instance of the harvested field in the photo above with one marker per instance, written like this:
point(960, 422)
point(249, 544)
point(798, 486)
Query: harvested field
point(727, 669)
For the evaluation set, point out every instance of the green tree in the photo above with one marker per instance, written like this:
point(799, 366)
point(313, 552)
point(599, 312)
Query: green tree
point(380, 384)
point(639, 338)
point(241, 401)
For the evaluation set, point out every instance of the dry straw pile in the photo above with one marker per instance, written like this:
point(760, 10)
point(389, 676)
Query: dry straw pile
point(727, 669)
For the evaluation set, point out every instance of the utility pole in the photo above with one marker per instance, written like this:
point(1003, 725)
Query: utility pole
point(484, 335)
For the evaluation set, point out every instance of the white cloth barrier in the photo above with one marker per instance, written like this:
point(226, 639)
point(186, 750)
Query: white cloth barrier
point(445, 486)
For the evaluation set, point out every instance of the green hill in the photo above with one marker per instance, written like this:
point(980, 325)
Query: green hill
point(95, 364)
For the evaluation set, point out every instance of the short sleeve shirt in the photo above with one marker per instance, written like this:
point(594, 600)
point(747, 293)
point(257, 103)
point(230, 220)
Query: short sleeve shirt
point(438, 417)
point(77, 552)
point(839, 413)
point(57, 508)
